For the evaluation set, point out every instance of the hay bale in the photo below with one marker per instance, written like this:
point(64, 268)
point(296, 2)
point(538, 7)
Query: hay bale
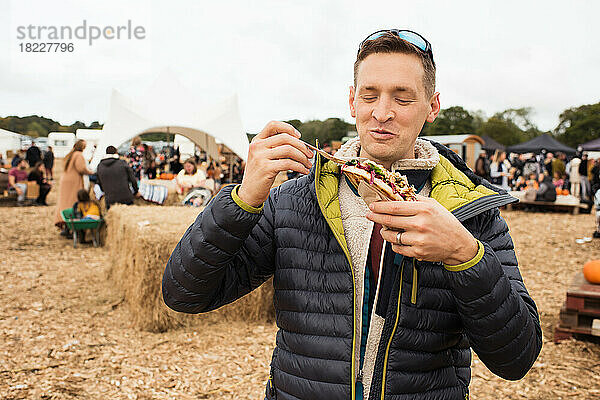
point(140, 240)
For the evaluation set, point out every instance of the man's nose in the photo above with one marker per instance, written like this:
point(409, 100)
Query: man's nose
point(383, 111)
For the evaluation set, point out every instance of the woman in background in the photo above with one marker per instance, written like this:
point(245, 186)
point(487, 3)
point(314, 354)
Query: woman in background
point(36, 173)
point(136, 155)
point(70, 182)
point(48, 161)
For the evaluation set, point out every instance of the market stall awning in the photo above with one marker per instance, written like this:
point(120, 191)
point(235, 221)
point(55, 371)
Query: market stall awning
point(539, 143)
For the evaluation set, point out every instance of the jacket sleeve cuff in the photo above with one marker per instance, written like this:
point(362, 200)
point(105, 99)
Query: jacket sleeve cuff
point(470, 263)
point(243, 205)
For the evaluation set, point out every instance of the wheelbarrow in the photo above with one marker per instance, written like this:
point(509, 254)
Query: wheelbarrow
point(76, 225)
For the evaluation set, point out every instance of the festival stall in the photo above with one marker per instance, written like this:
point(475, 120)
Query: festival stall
point(539, 143)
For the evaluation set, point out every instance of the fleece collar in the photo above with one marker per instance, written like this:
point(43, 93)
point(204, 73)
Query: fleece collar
point(426, 155)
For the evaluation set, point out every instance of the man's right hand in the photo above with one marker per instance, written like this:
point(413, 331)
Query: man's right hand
point(276, 148)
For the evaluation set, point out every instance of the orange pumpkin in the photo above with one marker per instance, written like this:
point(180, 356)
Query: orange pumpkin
point(565, 192)
point(558, 191)
point(591, 271)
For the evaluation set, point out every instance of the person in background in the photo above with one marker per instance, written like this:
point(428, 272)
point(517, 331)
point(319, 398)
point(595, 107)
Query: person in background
point(482, 165)
point(584, 182)
point(189, 177)
point(191, 181)
point(86, 208)
point(520, 183)
point(49, 163)
point(499, 171)
point(216, 174)
point(149, 157)
point(33, 154)
point(115, 177)
point(532, 182)
point(211, 182)
point(574, 175)
point(36, 173)
point(595, 190)
point(17, 159)
point(559, 164)
point(531, 166)
point(558, 180)
point(547, 191)
point(151, 170)
point(17, 179)
point(175, 165)
point(518, 163)
point(136, 155)
point(548, 164)
point(70, 182)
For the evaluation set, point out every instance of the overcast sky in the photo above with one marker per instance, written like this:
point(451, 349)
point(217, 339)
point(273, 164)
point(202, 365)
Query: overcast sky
point(289, 59)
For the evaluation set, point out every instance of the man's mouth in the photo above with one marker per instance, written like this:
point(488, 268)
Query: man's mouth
point(381, 133)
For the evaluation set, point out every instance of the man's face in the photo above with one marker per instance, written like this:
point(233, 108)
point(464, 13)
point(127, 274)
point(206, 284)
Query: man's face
point(23, 164)
point(390, 106)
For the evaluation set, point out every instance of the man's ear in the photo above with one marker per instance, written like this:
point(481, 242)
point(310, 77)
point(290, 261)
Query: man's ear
point(351, 102)
point(435, 107)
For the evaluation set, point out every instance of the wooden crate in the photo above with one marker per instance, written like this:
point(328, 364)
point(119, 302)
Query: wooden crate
point(583, 296)
point(580, 314)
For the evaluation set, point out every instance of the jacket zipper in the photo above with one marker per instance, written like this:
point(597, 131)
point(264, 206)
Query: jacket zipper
point(347, 253)
point(360, 372)
point(413, 295)
point(387, 350)
point(272, 392)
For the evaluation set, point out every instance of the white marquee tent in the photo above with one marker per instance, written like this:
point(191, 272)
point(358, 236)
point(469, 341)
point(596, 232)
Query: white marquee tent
point(169, 107)
point(92, 138)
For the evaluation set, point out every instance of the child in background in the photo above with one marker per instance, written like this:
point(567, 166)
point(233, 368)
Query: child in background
point(86, 208)
point(558, 180)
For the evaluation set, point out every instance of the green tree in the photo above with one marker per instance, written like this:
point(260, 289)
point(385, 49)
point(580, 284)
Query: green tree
point(450, 121)
point(579, 125)
point(35, 129)
point(510, 126)
point(325, 131)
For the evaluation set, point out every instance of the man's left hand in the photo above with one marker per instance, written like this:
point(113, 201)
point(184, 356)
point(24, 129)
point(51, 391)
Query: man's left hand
point(429, 231)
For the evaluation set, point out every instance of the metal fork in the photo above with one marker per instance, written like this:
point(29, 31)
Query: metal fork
point(337, 159)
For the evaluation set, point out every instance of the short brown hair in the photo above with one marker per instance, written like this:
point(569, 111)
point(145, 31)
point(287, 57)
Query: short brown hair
point(390, 43)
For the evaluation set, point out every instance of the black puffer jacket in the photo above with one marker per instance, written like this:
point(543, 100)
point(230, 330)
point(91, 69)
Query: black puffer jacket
point(424, 350)
point(114, 177)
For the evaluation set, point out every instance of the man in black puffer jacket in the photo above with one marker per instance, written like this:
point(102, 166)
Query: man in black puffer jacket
point(371, 303)
point(116, 179)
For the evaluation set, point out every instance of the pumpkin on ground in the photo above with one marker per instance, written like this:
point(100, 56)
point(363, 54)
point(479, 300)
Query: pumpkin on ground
point(591, 271)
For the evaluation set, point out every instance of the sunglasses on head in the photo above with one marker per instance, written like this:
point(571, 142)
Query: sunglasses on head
point(411, 37)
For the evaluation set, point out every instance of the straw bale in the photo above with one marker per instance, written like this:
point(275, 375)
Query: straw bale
point(140, 240)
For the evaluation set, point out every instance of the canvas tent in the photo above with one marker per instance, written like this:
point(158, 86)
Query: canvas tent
point(169, 107)
point(542, 142)
point(10, 141)
point(92, 138)
point(491, 144)
point(592, 145)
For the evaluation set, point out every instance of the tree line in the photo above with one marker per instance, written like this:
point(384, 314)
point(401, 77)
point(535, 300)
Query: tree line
point(576, 126)
point(36, 126)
